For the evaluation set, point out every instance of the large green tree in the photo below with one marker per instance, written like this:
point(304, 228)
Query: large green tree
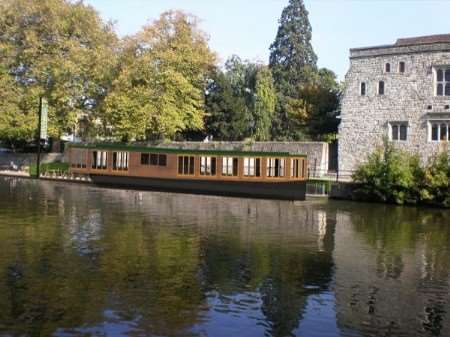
point(292, 58)
point(241, 101)
point(160, 86)
point(56, 48)
point(264, 105)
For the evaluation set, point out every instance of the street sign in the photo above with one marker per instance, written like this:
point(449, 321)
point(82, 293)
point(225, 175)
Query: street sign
point(43, 118)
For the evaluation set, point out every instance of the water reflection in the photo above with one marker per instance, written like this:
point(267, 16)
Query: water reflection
point(78, 260)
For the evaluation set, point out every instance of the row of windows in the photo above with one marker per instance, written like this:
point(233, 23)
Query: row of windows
point(439, 131)
point(276, 167)
point(153, 159)
point(401, 67)
point(380, 90)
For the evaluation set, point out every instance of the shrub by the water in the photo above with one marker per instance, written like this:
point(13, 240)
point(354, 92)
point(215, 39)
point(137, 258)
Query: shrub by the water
point(394, 176)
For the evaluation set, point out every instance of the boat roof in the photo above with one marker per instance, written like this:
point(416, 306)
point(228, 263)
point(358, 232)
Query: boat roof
point(162, 149)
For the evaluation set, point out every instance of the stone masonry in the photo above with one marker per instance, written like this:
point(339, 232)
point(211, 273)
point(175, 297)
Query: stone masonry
point(410, 99)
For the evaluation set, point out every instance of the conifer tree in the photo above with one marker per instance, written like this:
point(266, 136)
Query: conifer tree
point(292, 58)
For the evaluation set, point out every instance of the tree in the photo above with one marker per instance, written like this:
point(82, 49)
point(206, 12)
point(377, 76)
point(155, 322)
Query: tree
point(292, 58)
point(264, 106)
point(159, 90)
point(323, 103)
point(59, 49)
point(293, 65)
point(228, 117)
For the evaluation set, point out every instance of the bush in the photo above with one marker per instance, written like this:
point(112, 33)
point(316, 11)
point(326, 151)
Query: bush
point(389, 175)
point(435, 188)
point(394, 176)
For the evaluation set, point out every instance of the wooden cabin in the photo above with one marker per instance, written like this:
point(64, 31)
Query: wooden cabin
point(240, 173)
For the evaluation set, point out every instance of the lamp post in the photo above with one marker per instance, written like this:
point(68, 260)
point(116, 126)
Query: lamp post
point(42, 130)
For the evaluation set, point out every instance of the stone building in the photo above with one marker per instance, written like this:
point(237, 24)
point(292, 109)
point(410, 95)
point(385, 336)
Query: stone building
point(399, 91)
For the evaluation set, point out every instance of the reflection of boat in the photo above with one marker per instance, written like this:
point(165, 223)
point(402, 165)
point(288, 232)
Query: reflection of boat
point(271, 175)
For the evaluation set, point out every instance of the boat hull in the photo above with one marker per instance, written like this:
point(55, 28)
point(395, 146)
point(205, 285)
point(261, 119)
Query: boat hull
point(293, 190)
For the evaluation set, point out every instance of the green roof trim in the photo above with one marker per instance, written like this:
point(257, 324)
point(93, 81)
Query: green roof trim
point(147, 149)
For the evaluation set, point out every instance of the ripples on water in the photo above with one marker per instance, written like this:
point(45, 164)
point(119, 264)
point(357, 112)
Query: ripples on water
point(83, 261)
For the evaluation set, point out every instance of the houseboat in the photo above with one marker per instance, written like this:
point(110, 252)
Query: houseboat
point(269, 175)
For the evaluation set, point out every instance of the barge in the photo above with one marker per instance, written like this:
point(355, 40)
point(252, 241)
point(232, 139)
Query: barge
point(268, 175)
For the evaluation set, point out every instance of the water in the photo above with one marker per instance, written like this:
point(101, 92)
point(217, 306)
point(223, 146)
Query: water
point(83, 261)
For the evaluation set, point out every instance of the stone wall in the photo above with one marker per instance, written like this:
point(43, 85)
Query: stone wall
point(365, 119)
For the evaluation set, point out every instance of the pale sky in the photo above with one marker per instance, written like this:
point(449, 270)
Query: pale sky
point(248, 27)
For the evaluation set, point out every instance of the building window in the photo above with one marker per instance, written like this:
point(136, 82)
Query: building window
point(186, 165)
point(399, 131)
point(78, 158)
point(297, 168)
point(252, 167)
point(153, 159)
point(363, 89)
point(443, 82)
point(207, 166)
point(381, 88)
point(230, 166)
point(100, 160)
point(439, 131)
point(275, 167)
point(120, 161)
point(401, 67)
point(387, 68)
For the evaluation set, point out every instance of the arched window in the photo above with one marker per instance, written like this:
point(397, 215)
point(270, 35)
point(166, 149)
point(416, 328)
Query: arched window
point(440, 75)
point(363, 89)
point(401, 67)
point(440, 89)
point(387, 67)
point(381, 88)
point(447, 89)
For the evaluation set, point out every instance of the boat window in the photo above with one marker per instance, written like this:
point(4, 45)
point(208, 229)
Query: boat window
point(252, 167)
point(99, 160)
point(145, 158)
point(297, 168)
point(153, 159)
point(162, 160)
point(120, 161)
point(207, 166)
point(78, 158)
point(186, 165)
point(230, 166)
point(276, 167)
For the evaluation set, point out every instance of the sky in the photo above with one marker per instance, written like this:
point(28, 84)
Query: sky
point(248, 27)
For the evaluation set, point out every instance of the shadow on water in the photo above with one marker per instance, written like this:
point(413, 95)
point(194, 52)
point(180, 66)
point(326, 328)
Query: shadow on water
point(84, 261)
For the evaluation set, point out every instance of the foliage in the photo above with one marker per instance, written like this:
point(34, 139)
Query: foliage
point(391, 175)
point(159, 90)
point(240, 101)
point(228, 115)
point(57, 48)
point(308, 98)
point(292, 58)
point(264, 105)
point(435, 187)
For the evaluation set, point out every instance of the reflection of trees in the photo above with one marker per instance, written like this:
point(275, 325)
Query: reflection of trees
point(401, 272)
point(71, 253)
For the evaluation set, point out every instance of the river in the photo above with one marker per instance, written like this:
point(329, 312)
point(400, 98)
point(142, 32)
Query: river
point(77, 260)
